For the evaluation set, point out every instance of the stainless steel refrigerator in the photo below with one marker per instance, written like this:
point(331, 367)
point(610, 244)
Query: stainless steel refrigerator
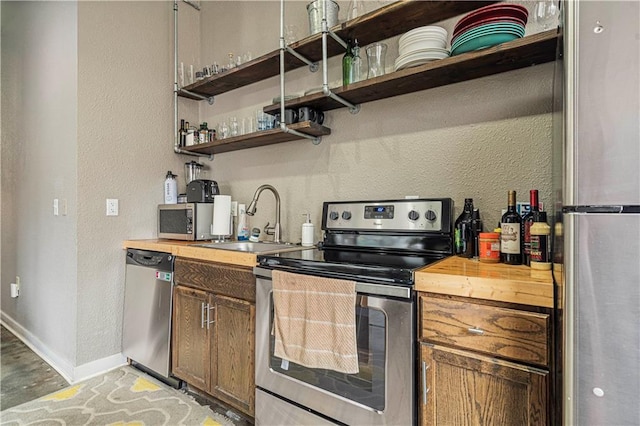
point(597, 248)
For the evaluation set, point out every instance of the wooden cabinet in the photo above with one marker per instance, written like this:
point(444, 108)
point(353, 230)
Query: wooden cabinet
point(214, 330)
point(465, 388)
point(190, 337)
point(232, 352)
point(483, 362)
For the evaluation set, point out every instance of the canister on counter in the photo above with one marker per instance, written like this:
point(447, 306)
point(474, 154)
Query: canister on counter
point(489, 247)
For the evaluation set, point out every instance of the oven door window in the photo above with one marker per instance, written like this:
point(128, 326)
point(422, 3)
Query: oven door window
point(368, 386)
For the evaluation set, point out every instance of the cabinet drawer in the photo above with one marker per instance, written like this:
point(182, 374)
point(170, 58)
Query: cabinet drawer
point(508, 333)
point(225, 280)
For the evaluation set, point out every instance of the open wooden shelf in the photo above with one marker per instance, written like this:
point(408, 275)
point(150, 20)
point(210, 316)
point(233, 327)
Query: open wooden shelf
point(531, 50)
point(261, 138)
point(380, 24)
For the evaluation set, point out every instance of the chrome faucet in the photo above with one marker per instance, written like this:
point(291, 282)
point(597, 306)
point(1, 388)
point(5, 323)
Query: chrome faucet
point(251, 210)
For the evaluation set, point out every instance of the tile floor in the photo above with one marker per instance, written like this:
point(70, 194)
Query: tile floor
point(24, 376)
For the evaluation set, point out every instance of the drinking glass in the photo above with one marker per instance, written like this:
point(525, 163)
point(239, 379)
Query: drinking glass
point(546, 14)
point(233, 126)
point(224, 130)
point(376, 54)
point(261, 120)
point(290, 33)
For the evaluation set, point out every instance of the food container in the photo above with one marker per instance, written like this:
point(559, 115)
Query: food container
point(315, 10)
point(489, 250)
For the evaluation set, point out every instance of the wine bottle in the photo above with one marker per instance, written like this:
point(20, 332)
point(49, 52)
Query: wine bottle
point(182, 134)
point(462, 231)
point(528, 220)
point(540, 246)
point(510, 249)
point(476, 229)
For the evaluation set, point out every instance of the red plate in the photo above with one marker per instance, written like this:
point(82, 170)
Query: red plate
point(492, 11)
point(493, 20)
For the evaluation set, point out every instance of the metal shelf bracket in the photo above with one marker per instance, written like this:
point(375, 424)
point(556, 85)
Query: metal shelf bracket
point(209, 99)
point(313, 66)
point(314, 139)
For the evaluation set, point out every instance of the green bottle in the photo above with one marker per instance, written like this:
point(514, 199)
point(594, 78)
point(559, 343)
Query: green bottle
point(347, 65)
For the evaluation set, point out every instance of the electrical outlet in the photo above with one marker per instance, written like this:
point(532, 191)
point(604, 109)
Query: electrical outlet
point(234, 208)
point(112, 207)
point(56, 207)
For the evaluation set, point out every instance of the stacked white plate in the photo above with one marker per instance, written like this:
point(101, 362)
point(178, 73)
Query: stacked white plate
point(421, 45)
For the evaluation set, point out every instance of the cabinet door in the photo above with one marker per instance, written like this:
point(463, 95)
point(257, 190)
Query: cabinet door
point(232, 349)
point(463, 388)
point(190, 354)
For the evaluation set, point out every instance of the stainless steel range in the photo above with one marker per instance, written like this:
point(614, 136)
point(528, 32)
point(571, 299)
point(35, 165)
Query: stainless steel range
point(379, 245)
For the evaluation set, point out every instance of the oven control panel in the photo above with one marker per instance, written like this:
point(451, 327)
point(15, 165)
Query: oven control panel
point(392, 215)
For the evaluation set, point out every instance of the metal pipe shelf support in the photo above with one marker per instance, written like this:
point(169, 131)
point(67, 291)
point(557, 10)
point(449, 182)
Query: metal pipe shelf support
point(283, 48)
point(353, 109)
point(176, 144)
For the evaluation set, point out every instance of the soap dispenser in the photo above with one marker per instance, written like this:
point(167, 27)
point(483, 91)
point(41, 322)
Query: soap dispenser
point(307, 232)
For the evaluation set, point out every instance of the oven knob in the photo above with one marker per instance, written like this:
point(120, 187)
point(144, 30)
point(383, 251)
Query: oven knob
point(346, 215)
point(333, 215)
point(430, 215)
point(414, 215)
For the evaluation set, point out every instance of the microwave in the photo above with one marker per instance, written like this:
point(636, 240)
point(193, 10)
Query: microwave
point(186, 221)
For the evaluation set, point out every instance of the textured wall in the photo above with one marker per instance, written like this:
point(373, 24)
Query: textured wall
point(39, 70)
point(125, 128)
point(478, 138)
point(473, 139)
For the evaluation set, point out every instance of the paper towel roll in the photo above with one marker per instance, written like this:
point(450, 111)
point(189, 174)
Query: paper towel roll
point(221, 215)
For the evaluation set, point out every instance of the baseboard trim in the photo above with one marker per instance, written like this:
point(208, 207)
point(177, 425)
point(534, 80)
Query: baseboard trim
point(70, 373)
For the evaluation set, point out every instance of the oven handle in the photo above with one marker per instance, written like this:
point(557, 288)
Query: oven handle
point(369, 288)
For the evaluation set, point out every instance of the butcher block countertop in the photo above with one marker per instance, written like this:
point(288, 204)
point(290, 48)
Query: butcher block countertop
point(458, 276)
point(190, 249)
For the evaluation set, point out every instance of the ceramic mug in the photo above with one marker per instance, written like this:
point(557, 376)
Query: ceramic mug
point(290, 116)
point(310, 114)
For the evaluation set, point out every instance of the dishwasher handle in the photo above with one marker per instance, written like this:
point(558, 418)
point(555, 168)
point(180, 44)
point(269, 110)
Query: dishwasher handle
point(150, 259)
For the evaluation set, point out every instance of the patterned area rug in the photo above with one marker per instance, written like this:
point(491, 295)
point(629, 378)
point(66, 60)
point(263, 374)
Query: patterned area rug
point(124, 396)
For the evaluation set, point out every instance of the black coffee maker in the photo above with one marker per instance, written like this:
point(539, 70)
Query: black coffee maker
point(202, 191)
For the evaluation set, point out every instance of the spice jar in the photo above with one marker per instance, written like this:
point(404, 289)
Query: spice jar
point(489, 247)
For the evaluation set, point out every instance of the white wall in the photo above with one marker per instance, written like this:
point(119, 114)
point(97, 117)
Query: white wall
point(87, 115)
point(39, 144)
point(476, 139)
point(87, 102)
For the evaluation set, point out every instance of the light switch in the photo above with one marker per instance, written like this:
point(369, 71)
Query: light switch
point(112, 207)
point(56, 207)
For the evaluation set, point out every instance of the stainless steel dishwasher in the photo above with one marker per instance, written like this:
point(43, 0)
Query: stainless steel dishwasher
point(146, 333)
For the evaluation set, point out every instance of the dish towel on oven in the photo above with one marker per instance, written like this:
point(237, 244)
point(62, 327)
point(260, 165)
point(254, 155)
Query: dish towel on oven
point(315, 321)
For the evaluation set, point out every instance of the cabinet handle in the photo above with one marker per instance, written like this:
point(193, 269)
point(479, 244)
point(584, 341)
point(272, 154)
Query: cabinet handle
point(209, 308)
point(425, 389)
point(202, 315)
point(475, 330)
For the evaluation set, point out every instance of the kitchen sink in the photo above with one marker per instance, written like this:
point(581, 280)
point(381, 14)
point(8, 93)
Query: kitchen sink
point(251, 247)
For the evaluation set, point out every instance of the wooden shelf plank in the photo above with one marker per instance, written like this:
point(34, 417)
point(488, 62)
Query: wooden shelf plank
point(261, 138)
point(531, 50)
point(380, 24)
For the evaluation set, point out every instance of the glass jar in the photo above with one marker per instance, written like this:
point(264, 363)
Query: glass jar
point(376, 55)
point(489, 247)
